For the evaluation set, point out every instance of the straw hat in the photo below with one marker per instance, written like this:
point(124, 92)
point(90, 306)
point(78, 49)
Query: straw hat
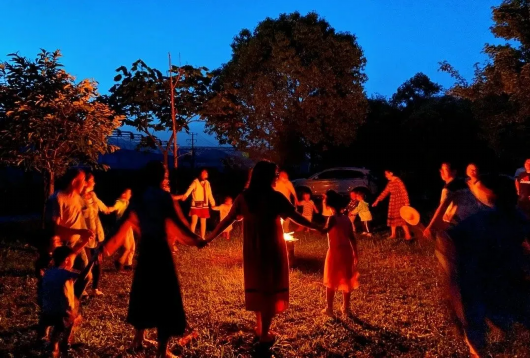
point(410, 215)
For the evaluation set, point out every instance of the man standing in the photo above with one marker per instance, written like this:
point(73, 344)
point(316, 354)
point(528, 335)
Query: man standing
point(522, 184)
point(66, 214)
point(284, 186)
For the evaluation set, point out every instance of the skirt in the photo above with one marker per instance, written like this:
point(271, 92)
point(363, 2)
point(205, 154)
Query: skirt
point(203, 213)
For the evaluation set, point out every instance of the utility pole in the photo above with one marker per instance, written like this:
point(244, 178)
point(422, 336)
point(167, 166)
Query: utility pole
point(192, 142)
point(173, 112)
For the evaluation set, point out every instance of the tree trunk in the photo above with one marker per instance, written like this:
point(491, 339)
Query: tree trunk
point(165, 153)
point(49, 188)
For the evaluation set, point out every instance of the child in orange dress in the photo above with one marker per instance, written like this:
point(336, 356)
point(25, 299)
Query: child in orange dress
point(224, 209)
point(340, 268)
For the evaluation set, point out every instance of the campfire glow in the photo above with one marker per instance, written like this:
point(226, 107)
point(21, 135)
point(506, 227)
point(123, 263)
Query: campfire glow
point(288, 236)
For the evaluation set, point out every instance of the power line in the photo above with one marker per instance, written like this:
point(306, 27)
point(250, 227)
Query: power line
point(192, 142)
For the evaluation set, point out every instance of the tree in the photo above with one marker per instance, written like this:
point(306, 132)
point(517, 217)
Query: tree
point(48, 121)
point(293, 76)
point(143, 95)
point(500, 91)
point(415, 90)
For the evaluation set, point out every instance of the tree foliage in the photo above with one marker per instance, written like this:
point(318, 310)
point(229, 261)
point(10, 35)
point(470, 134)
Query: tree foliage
point(500, 90)
point(292, 77)
point(143, 95)
point(48, 121)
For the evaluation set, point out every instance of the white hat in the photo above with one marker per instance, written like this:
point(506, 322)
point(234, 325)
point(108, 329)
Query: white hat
point(410, 215)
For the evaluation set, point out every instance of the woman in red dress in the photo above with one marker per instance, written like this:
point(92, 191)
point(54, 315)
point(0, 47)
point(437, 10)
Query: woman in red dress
point(398, 199)
point(265, 262)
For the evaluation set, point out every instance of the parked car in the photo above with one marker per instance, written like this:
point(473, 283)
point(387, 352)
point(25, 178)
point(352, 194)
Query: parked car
point(342, 180)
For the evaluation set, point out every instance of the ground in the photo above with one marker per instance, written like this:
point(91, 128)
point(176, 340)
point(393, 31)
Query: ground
point(398, 309)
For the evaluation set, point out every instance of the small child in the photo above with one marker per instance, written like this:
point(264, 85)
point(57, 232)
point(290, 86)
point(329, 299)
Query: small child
point(125, 261)
point(308, 208)
point(340, 268)
point(224, 209)
point(327, 212)
point(60, 291)
point(363, 210)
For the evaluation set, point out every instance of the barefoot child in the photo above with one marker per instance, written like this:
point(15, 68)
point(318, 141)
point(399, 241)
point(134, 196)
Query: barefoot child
point(340, 268)
point(308, 208)
point(224, 209)
point(60, 291)
point(363, 211)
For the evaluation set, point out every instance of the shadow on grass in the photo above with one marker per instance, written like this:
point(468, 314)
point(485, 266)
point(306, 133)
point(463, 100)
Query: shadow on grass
point(384, 338)
point(12, 272)
point(308, 265)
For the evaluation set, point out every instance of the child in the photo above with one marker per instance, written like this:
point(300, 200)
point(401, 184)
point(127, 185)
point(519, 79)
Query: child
point(129, 246)
point(363, 210)
point(351, 206)
point(340, 268)
point(327, 212)
point(60, 291)
point(308, 208)
point(224, 209)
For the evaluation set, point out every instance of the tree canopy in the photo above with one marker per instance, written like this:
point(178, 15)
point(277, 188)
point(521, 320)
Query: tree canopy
point(48, 121)
point(143, 95)
point(294, 81)
point(500, 90)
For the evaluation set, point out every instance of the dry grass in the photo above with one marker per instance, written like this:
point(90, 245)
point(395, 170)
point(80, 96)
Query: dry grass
point(398, 309)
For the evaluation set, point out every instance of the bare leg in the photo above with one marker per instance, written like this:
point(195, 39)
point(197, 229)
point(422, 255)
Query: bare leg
point(330, 295)
point(393, 232)
point(203, 227)
point(407, 232)
point(346, 302)
point(54, 341)
point(257, 329)
point(193, 224)
point(139, 339)
point(266, 320)
point(163, 341)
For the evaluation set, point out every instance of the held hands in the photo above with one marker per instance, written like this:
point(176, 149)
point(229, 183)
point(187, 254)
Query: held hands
point(427, 232)
point(86, 235)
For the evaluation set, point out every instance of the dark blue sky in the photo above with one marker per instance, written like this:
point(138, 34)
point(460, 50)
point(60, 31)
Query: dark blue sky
point(399, 38)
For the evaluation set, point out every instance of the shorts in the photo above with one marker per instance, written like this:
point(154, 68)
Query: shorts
point(203, 213)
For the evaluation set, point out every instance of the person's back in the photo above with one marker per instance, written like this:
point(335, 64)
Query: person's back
point(340, 232)
point(58, 291)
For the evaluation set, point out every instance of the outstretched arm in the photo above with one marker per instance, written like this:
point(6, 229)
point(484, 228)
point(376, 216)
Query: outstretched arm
point(438, 215)
point(117, 240)
point(178, 228)
point(232, 216)
point(383, 195)
point(300, 220)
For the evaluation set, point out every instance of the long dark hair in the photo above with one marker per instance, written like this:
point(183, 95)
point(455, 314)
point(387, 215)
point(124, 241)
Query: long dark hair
point(263, 176)
point(153, 174)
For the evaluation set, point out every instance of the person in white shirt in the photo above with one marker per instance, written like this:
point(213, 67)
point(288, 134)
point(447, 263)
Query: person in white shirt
point(201, 199)
point(284, 186)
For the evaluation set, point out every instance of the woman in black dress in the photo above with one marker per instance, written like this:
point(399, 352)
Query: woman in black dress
point(155, 299)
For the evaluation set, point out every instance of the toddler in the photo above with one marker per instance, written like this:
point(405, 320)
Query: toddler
point(340, 268)
point(308, 208)
point(363, 211)
point(60, 292)
point(224, 209)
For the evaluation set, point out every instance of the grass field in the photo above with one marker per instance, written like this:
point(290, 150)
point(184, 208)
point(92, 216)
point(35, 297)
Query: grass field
point(398, 309)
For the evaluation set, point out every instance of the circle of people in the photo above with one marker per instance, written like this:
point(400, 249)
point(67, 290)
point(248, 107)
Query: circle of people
point(480, 229)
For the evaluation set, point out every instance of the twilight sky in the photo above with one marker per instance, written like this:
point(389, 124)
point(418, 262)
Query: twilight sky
point(399, 38)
